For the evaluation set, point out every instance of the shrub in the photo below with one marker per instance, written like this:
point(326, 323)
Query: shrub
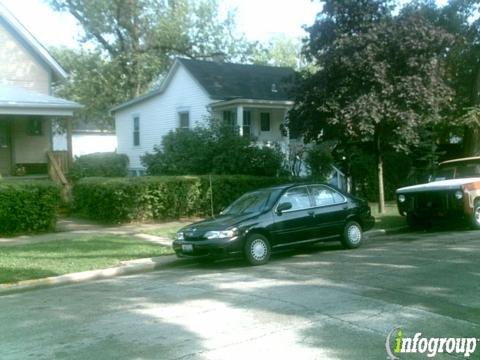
point(216, 150)
point(118, 200)
point(100, 164)
point(320, 160)
point(28, 206)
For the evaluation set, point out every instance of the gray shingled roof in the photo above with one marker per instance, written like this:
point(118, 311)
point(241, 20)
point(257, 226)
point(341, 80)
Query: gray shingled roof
point(225, 81)
point(16, 97)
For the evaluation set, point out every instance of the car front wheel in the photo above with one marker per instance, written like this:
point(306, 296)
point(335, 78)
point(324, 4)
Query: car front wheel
point(257, 249)
point(352, 236)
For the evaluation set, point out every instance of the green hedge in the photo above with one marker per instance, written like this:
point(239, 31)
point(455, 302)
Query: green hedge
point(99, 164)
point(118, 200)
point(28, 206)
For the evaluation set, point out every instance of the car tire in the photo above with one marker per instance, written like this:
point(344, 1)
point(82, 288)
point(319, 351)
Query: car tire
point(257, 249)
point(475, 219)
point(352, 235)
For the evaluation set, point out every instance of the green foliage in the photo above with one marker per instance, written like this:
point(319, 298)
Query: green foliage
point(216, 150)
point(118, 200)
point(28, 206)
point(131, 45)
point(381, 78)
point(280, 50)
point(99, 164)
point(363, 169)
point(320, 160)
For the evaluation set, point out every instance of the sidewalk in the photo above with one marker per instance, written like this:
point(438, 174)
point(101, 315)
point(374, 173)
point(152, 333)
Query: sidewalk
point(70, 228)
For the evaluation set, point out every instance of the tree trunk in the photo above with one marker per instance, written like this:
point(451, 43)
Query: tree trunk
point(381, 192)
point(471, 137)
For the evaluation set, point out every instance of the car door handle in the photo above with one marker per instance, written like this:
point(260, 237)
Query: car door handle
point(311, 213)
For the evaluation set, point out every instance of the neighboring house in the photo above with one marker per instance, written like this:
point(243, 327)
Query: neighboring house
point(27, 107)
point(255, 98)
point(86, 139)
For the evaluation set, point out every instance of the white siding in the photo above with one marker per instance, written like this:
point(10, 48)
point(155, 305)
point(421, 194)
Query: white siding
point(31, 149)
point(159, 115)
point(19, 67)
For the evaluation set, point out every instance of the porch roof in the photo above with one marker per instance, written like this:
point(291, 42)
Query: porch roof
point(19, 101)
point(271, 104)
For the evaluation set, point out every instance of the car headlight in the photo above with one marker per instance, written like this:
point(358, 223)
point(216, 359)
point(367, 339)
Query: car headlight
point(223, 234)
point(458, 194)
point(180, 236)
point(401, 198)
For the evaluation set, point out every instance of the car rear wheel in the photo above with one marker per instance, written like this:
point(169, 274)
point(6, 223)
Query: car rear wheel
point(257, 249)
point(475, 221)
point(352, 236)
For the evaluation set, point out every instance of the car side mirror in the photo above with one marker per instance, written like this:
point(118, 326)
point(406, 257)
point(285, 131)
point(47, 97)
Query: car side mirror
point(284, 207)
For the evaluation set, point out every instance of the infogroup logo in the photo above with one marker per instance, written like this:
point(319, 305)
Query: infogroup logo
point(396, 344)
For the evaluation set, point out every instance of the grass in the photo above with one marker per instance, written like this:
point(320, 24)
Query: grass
point(167, 231)
point(390, 219)
point(58, 257)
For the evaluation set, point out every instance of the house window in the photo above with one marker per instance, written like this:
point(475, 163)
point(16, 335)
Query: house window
point(34, 127)
point(265, 121)
point(247, 123)
point(136, 131)
point(230, 119)
point(184, 120)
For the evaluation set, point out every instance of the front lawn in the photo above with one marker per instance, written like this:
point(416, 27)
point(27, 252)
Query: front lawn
point(167, 231)
point(390, 219)
point(58, 257)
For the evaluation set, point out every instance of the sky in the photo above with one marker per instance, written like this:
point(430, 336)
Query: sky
point(257, 19)
point(284, 17)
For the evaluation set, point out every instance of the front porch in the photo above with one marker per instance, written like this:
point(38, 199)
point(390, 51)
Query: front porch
point(26, 146)
point(261, 120)
point(26, 119)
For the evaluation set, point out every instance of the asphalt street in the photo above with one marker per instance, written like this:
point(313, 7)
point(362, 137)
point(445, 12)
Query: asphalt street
point(321, 302)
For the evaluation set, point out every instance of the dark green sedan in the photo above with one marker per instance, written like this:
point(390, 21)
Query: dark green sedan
point(276, 217)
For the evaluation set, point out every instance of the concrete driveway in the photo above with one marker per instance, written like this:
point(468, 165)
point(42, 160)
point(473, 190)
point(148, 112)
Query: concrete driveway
point(318, 303)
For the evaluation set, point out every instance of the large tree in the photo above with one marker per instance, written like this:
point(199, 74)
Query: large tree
point(129, 44)
point(380, 80)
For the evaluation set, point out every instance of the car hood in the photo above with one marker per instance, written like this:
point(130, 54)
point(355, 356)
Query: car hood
point(221, 222)
point(452, 184)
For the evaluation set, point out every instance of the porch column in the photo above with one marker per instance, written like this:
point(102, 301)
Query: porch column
point(284, 122)
point(69, 141)
point(240, 119)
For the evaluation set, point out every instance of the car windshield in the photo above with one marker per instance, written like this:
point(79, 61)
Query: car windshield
point(457, 171)
point(248, 203)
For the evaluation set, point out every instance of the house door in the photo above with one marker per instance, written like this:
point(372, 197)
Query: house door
point(5, 150)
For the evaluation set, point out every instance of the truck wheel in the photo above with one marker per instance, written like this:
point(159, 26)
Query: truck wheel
point(475, 221)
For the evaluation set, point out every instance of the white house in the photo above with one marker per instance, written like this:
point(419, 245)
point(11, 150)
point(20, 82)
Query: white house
point(253, 97)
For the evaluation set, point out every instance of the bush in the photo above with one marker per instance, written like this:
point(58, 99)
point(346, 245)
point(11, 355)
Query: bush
point(99, 164)
point(320, 160)
point(28, 206)
point(120, 200)
point(212, 150)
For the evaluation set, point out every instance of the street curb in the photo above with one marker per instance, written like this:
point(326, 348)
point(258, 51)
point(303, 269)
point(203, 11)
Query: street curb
point(380, 232)
point(125, 268)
